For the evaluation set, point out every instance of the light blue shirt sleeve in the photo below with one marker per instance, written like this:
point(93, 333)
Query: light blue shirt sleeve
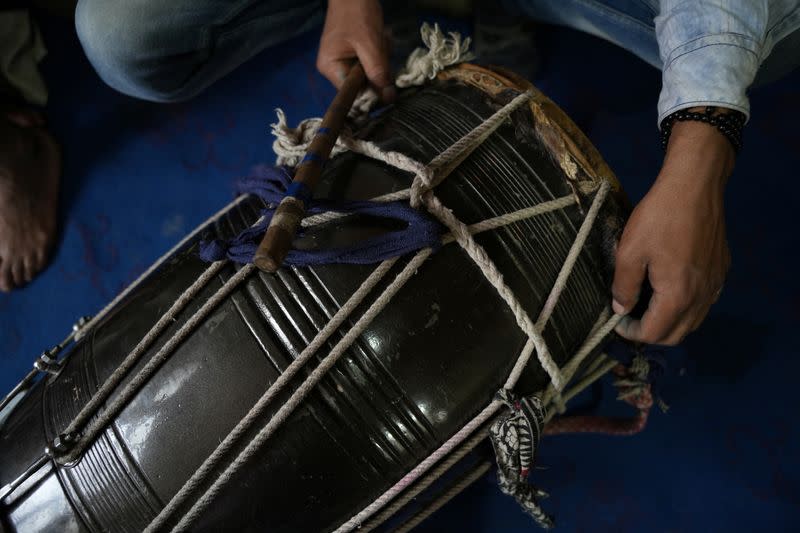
point(711, 51)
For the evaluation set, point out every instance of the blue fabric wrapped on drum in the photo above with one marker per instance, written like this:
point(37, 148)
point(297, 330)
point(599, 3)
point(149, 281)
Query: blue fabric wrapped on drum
point(270, 184)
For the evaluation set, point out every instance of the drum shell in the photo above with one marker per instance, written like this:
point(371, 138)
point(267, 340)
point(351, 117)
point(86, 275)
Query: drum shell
point(428, 363)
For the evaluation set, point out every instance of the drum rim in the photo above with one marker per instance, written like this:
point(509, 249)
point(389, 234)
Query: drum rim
point(565, 140)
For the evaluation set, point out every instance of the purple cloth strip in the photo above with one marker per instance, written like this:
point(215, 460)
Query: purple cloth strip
point(269, 183)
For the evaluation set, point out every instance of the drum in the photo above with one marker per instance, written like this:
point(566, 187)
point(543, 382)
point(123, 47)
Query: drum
point(144, 395)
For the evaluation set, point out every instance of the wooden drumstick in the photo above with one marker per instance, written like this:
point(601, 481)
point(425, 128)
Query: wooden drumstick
point(290, 212)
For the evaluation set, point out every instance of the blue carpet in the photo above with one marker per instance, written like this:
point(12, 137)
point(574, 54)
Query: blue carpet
point(138, 176)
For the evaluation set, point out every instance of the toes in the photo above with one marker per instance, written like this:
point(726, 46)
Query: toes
point(29, 268)
point(40, 257)
point(5, 277)
point(18, 272)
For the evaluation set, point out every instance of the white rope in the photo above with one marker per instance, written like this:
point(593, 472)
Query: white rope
point(443, 164)
point(307, 386)
point(258, 409)
point(605, 366)
point(91, 408)
point(424, 63)
point(591, 342)
point(427, 480)
point(421, 189)
point(290, 145)
point(471, 477)
point(102, 394)
point(121, 296)
point(297, 397)
point(596, 336)
point(572, 257)
point(96, 425)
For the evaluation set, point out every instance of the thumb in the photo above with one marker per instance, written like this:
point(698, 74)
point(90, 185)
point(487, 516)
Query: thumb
point(629, 274)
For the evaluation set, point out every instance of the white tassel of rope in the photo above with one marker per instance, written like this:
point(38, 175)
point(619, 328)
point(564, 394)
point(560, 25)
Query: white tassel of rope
point(423, 64)
point(291, 144)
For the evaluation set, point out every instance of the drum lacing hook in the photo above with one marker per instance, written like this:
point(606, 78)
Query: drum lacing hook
point(56, 450)
point(47, 363)
point(61, 445)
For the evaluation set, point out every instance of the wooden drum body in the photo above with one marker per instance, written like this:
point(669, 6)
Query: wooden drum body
point(431, 360)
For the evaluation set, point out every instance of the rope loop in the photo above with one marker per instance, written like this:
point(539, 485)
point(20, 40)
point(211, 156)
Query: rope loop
point(525, 416)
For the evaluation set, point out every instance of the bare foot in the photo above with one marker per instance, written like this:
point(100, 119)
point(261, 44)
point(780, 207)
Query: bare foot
point(30, 165)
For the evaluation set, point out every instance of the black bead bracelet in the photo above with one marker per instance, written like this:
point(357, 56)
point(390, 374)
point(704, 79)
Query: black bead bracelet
point(729, 123)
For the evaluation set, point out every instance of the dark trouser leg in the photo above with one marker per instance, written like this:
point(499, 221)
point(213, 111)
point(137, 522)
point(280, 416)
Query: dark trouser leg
point(170, 50)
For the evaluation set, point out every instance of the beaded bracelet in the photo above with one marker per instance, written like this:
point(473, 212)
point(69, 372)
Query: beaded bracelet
point(729, 123)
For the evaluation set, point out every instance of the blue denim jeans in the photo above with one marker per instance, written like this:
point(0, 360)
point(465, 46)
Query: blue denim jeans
point(626, 23)
point(630, 25)
point(170, 50)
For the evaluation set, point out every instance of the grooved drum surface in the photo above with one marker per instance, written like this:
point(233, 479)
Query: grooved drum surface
point(426, 365)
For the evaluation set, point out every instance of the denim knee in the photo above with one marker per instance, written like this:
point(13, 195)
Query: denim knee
point(125, 48)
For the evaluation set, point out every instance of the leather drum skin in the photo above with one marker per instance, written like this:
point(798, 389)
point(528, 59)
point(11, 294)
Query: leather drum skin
point(425, 366)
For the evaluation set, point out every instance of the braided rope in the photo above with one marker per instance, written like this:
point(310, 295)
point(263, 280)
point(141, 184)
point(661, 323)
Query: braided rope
point(592, 341)
point(98, 424)
point(460, 233)
point(420, 193)
point(297, 397)
point(471, 477)
point(427, 480)
point(258, 409)
point(426, 177)
point(101, 395)
point(90, 325)
point(335, 322)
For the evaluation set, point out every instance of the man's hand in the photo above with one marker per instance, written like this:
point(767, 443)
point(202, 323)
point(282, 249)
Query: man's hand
point(676, 238)
point(354, 29)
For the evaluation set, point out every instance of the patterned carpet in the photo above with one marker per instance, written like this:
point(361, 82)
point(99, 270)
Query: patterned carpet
point(138, 176)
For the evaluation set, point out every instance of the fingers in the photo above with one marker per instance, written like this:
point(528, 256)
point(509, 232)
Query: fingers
point(374, 57)
point(669, 318)
point(337, 54)
point(657, 324)
point(335, 70)
point(629, 274)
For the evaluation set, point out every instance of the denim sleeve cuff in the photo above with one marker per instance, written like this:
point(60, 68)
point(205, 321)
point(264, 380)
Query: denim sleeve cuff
point(712, 70)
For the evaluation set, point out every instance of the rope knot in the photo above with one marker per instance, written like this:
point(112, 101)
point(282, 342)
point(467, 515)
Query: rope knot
point(442, 52)
point(633, 385)
point(422, 184)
